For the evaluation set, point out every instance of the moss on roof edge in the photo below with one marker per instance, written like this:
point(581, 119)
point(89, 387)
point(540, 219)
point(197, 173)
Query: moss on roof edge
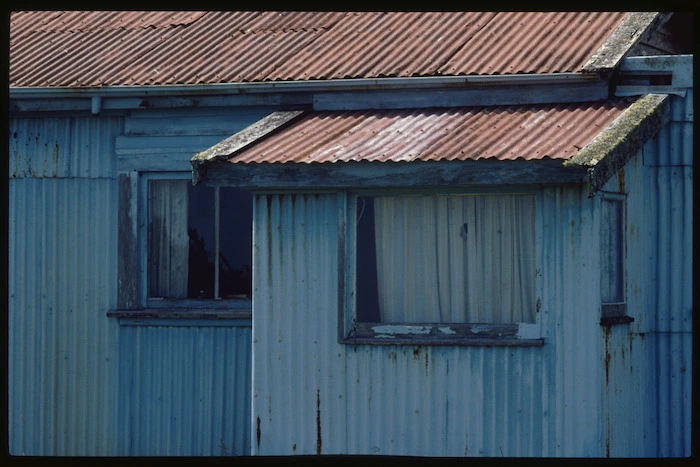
point(619, 142)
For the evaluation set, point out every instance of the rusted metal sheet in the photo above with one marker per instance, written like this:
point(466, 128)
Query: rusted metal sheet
point(534, 42)
point(62, 147)
point(108, 48)
point(470, 133)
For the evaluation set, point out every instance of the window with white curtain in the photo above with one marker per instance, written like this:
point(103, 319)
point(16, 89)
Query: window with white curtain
point(444, 264)
point(199, 242)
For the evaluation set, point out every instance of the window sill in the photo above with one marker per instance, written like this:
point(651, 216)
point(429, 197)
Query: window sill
point(460, 341)
point(611, 320)
point(182, 317)
point(477, 335)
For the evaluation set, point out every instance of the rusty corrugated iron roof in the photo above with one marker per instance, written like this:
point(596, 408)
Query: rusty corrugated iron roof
point(108, 48)
point(530, 132)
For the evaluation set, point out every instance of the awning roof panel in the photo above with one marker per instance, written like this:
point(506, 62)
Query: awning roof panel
point(531, 132)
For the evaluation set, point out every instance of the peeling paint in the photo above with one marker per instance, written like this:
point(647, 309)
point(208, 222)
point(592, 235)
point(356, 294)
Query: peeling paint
point(446, 330)
point(388, 329)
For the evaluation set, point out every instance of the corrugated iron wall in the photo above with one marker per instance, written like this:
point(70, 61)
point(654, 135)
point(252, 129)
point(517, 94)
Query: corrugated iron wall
point(61, 282)
point(649, 389)
point(184, 390)
point(299, 391)
point(79, 383)
point(670, 186)
point(570, 315)
point(312, 394)
point(63, 147)
point(592, 390)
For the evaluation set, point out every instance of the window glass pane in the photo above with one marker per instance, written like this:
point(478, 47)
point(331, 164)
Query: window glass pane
point(367, 302)
point(236, 240)
point(446, 259)
point(200, 228)
point(182, 246)
point(612, 251)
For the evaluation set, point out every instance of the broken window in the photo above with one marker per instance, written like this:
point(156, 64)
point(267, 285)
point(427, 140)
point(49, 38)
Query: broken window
point(199, 241)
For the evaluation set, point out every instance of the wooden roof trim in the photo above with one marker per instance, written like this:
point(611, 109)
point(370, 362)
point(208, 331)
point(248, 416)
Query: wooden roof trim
point(243, 139)
point(621, 41)
point(619, 142)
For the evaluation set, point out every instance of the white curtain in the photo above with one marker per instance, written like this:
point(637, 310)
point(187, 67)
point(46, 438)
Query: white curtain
point(455, 259)
point(168, 242)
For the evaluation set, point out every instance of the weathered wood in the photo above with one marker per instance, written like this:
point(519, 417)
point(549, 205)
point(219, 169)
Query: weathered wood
point(465, 96)
point(344, 254)
point(179, 313)
point(192, 122)
point(297, 176)
point(657, 75)
point(614, 146)
point(128, 271)
point(125, 145)
point(174, 161)
point(620, 42)
point(490, 335)
point(612, 320)
point(252, 133)
point(246, 137)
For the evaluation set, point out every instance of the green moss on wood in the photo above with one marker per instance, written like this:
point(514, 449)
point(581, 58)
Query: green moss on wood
point(614, 146)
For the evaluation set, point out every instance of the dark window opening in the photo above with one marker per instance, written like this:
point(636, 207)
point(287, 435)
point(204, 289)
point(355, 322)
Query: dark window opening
point(366, 270)
point(188, 257)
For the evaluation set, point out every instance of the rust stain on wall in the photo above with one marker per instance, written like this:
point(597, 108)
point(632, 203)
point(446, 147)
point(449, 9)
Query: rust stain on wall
point(257, 433)
point(416, 353)
point(606, 359)
point(319, 441)
point(620, 176)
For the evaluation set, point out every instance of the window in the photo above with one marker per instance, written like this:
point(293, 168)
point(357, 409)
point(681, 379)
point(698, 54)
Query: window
point(184, 251)
point(454, 268)
point(612, 258)
point(199, 241)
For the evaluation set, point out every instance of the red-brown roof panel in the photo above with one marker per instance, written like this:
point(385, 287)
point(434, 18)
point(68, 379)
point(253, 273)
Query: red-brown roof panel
point(384, 44)
point(534, 42)
point(109, 48)
point(529, 132)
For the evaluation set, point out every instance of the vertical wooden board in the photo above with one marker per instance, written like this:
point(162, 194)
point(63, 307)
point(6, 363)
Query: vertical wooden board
point(128, 264)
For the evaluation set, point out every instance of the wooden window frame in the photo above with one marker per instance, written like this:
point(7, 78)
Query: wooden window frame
point(133, 304)
point(615, 312)
point(352, 332)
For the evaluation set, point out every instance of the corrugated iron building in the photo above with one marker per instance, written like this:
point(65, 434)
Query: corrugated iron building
point(88, 377)
point(591, 391)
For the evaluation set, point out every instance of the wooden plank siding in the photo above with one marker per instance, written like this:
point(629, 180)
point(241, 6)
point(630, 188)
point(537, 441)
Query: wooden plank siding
point(289, 176)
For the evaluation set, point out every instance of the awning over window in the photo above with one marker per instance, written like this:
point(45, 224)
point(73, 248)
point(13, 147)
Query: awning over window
point(544, 143)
